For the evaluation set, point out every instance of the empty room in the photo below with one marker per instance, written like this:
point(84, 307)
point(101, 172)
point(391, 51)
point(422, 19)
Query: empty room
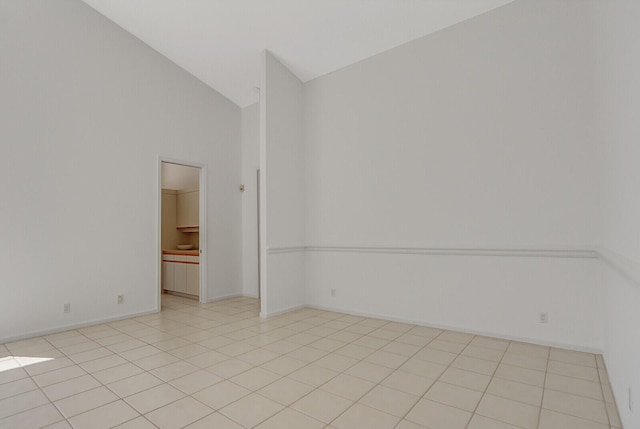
point(234, 214)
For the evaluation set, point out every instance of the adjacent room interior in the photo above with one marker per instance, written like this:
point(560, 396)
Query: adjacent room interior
point(180, 230)
point(416, 214)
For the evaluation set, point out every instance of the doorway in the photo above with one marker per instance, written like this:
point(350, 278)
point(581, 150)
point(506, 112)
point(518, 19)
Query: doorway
point(182, 230)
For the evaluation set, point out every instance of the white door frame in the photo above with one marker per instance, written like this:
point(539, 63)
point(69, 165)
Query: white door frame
point(202, 194)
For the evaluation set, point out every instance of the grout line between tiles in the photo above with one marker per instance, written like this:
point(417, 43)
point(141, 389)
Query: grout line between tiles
point(231, 319)
point(488, 384)
point(544, 388)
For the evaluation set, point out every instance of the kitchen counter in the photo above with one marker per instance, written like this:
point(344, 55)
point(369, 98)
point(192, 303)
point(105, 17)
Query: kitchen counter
point(192, 252)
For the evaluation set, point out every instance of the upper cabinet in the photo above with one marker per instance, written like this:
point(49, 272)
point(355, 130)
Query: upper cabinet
point(188, 208)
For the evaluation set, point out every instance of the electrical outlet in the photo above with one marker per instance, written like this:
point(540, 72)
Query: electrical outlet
point(120, 299)
point(630, 400)
point(333, 292)
point(67, 308)
point(544, 317)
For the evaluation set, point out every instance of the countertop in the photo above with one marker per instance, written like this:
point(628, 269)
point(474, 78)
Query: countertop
point(192, 252)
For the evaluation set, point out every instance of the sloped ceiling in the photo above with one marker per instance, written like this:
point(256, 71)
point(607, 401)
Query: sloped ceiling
point(220, 41)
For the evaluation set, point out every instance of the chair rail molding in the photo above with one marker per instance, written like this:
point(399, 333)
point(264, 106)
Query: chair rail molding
point(579, 253)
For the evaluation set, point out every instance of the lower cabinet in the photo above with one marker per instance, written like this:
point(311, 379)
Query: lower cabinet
point(179, 277)
point(167, 275)
point(193, 275)
point(181, 273)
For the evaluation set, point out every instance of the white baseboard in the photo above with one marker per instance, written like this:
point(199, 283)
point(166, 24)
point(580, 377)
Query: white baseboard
point(222, 297)
point(279, 312)
point(180, 294)
point(78, 325)
point(459, 329)
point(62, 328)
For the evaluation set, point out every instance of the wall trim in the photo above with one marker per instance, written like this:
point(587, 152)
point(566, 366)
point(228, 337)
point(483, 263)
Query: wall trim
point(79, 325)
point(578, 253)
point(63, 328)
point(287, 249)
point(223, 297)
point(459, 329)
point(627, 267)
point(279, 312)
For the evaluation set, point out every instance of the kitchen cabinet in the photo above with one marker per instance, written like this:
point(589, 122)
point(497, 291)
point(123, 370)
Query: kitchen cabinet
point(188, 207)
point(193, 278)
point(180, 276)
point(167, 274)
point(181, 273)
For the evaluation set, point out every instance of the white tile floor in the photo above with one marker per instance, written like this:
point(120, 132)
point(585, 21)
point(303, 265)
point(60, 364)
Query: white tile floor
point(219, 365)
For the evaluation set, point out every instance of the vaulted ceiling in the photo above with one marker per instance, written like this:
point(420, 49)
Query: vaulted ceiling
point(220, 41)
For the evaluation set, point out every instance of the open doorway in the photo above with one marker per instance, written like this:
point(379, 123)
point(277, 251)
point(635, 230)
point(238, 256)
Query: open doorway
point(181, 221)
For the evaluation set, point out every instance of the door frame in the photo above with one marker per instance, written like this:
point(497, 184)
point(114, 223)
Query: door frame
point(258, 221)
point(202, 228)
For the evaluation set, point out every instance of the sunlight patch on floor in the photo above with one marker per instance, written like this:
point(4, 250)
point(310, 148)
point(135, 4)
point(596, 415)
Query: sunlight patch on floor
point(13, 362)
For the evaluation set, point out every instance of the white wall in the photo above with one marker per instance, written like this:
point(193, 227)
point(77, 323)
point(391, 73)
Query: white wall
point(85, 113)
point(469, 292)
point(617, 63)
point(477, 137)
point(622, 338)
point(250, 164)
point(473, 136)
point(282, 183)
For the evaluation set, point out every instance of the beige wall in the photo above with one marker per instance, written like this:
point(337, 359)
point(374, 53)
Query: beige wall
point(188, 207)
point(171, 237)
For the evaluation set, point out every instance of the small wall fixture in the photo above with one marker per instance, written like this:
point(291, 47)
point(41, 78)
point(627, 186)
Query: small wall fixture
point(241, 188)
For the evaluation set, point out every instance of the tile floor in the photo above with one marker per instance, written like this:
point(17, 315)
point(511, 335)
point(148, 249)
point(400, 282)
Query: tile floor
point(220, 366)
